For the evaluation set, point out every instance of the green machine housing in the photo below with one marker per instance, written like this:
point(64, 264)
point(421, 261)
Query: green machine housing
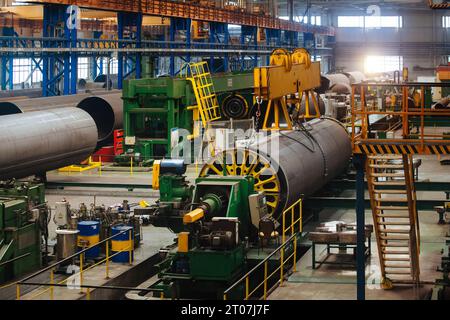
point(23, 227)
point(221, 241)
point(155, 109)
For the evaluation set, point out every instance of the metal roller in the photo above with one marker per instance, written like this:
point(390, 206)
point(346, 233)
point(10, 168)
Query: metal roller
point(300, 164)
point(37, 142)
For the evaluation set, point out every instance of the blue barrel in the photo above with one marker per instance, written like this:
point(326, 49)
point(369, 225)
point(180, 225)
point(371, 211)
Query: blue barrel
point(122, 243)
point(88, 236)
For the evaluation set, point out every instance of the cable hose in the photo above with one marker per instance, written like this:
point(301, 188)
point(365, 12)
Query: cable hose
point(312, 139)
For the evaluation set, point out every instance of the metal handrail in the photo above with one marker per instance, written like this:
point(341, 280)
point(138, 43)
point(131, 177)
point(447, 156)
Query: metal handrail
point(60, 284)
point(360, 111)
point(263, 262)
point(69, 258)
point(290, 210)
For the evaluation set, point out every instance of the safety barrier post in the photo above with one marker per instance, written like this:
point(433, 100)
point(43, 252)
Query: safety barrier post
point(284, 227)
point(295, 254)
point(52, 281)
point(130, 249)
point(131, 166)
point(107, 260)
point(292, 220)
point(17, 291)
point(282, 266)
point(88, 294)
point(247, 287)
point(81, 272)
point(224, 297)
point(265, 280)
point(161, 295)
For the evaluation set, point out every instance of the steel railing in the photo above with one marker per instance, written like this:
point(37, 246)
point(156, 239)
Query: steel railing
point(363, 105)
point(294, 228)
point(80, 254)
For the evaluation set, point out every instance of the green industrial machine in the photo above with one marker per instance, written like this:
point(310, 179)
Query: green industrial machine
point(23, 228)
point(157, 109)
point(221, 223)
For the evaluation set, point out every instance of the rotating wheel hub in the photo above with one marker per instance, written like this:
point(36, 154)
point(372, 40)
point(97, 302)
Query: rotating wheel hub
point(243, 162)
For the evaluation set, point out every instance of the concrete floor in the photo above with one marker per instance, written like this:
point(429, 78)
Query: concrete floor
point(327, 282)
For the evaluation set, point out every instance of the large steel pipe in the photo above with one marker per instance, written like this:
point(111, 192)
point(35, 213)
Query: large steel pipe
point(290, 164)
point(105, 108)
point(107, 112)
point(37, 142)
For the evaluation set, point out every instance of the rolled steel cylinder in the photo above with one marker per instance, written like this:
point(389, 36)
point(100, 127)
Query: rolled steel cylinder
point(337, 78)
point(356, 77)
point(299, 164)
point(37, 142)
point(105, 108)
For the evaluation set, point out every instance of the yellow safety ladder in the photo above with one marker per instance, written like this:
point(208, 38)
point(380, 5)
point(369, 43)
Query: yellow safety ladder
point(200, 77)
point(390, 181)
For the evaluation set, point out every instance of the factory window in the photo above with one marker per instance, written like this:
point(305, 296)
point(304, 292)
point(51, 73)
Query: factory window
point(83, 68)
point(446, 22)
point(315, 20)
point(21, 70)
point(370, 22)
point(383, 22)
point(351, 22)
point(114, 66)
point(378, 64)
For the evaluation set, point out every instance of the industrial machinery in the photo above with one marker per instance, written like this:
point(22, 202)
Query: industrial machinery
point(287, 164)
point(24, 218)
point(156, 110)
point(218, 222)
point(240, 195)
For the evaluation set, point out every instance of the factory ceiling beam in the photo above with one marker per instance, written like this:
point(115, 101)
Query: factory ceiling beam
point(193, 11)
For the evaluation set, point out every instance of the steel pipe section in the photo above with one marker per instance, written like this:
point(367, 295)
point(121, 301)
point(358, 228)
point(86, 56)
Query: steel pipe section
point(105, 108)
point(297, 164)
point(37, 142)
point(107, 112)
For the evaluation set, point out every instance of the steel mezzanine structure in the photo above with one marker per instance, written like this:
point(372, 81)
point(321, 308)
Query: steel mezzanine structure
point(402, 144)
point(60, 47)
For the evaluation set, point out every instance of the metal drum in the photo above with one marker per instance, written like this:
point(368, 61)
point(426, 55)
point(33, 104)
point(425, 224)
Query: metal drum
point(66, 244)
point(122, 243)
point(89, 236)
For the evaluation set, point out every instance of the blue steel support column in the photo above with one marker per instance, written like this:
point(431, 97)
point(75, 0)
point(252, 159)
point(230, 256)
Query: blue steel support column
point(7, 63)
point(54, 68)
point(188, 38)
point(94, 65)
point(120, 64)
point(216, 31)
point(211, 40)
point(172, 31)
point(359, 162)
point(242, 42)
point(66, 59)
point(138, 62)
point(226, 42)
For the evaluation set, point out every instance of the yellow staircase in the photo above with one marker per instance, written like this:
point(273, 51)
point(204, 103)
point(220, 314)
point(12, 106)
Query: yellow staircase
point(390, 180)
point(200, 77)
